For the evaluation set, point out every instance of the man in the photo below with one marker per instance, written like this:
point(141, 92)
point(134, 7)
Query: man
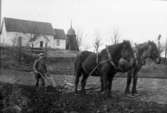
point(40, 69)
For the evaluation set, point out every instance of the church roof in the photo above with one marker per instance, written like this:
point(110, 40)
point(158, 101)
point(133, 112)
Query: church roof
point(59, 34)
point(26, 26)
point(71, 31)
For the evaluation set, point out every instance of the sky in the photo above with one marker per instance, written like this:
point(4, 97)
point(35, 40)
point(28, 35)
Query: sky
point(134, 20)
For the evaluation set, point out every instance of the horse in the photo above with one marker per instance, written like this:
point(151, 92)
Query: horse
point(108, 64)
point(142, 52)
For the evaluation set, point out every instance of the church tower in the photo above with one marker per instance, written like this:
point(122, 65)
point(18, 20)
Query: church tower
point(71, 41)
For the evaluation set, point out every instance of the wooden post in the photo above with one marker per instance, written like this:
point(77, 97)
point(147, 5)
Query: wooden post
point(165, 55)
point(159, 43)
point(45, 51)
point(0, 12)
point(19, 48)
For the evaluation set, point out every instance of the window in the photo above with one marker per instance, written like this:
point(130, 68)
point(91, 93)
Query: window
point(41, 44)
point(58, 42)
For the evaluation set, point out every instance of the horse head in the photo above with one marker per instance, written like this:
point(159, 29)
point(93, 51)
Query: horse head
point(154, 52)
point(122, 55)
point(126, 50)
point(147, 50)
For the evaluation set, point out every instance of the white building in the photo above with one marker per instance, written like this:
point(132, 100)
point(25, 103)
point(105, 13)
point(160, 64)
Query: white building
point(60, 38)
point(17, 32)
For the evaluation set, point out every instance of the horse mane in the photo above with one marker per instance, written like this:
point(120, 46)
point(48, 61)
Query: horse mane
point(145, 45)
point(115, 51)
point(141, 48)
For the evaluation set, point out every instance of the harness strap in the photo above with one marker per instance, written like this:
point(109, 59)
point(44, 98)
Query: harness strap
point(94, 69)
point(110, 59)
point(104, 61)
point(97, 57)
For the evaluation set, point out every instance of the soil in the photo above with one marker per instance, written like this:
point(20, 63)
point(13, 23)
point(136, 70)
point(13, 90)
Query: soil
point(57, 100)
point(17, 88)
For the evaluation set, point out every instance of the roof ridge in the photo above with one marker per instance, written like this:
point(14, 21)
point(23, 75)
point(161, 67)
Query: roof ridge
point(26, 20)
point(28, 26)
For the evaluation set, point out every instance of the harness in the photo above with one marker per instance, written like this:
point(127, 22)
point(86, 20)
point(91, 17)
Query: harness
point(110, 59)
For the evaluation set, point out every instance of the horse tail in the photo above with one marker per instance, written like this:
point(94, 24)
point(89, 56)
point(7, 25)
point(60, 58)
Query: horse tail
point(79, 60)
point(77, 64)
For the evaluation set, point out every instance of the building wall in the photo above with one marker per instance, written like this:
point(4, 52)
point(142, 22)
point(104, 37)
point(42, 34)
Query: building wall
point(3, 34)
point(36, 43)
point(11, 39)
point(59, 43)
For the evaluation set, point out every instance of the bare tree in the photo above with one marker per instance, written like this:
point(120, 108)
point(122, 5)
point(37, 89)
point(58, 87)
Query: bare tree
point(79, 36)
point(165, 50)
point(158, 39)
point(115, 37)
point(160, 47)
point(97, 42)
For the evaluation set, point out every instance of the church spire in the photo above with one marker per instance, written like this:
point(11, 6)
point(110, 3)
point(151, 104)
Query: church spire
point(71, 23)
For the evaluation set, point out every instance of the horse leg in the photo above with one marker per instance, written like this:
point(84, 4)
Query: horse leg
point(107, 82)
point(37, 79)
point(83, 83)
point(109, 87)
point(37, 82)
point(43, 82)
point(106, 79)
point(110, 79)
point(129, 78)
point(102, 84)
point(134, 91)
point(78, 74)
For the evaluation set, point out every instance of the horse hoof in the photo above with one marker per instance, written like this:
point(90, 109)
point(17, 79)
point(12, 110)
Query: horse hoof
point(83, 92)
point(76, 92)
point(135, 94)
point(129, 95)
point(132, 95)
point(102, 92)
point(108, 95)
point(127, 92)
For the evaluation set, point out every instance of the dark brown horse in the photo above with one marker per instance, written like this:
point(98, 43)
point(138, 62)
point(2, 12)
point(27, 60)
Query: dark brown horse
point(109, 62)
point(142, 52)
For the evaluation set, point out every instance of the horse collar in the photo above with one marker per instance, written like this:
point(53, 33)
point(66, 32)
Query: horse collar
point(110, 59)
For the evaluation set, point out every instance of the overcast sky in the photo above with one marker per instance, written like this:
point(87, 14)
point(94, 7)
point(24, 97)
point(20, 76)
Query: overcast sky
point(136, 20)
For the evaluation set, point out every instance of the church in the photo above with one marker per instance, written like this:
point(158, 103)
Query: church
point(26, 33)
point(35, 34)
point(71, 41)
